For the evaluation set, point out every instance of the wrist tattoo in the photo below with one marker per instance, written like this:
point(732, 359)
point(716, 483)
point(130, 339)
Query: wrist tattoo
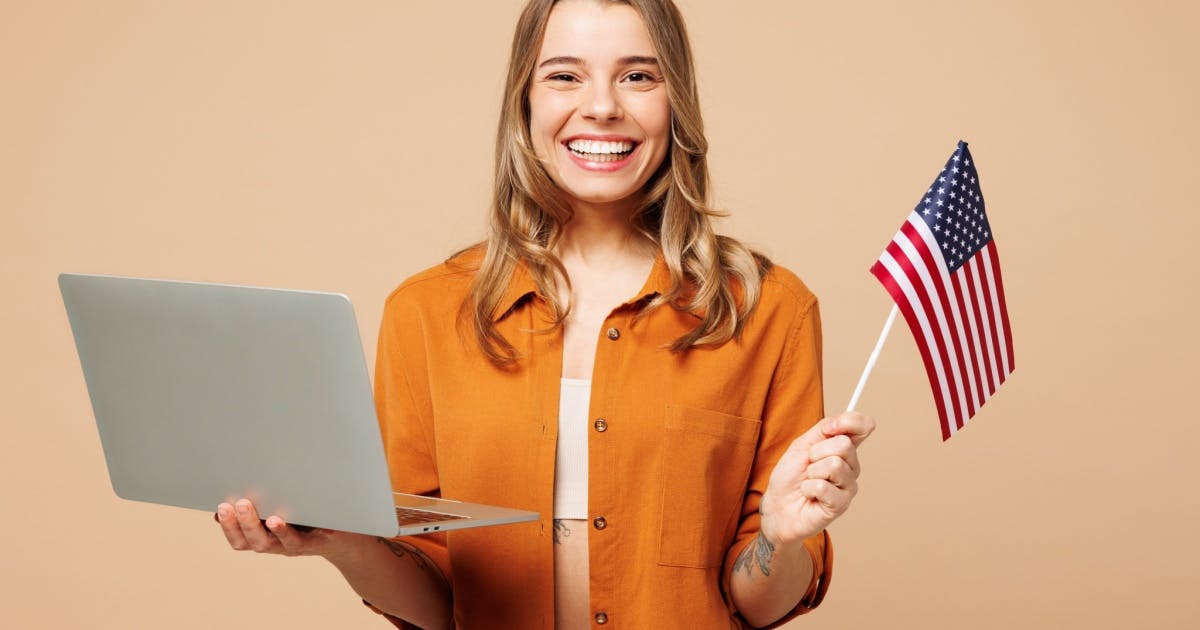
point(403, 549)
point(758, 552)
point(561, 531)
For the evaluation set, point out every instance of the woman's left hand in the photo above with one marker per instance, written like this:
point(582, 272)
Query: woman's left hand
point(815, 480)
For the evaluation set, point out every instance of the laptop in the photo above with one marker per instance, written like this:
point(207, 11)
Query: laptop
point(204, 393)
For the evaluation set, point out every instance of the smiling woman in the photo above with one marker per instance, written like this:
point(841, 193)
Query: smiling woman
point(652, 388)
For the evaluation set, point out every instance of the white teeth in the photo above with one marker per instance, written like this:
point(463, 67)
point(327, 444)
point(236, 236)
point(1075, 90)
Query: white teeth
point(599, 147)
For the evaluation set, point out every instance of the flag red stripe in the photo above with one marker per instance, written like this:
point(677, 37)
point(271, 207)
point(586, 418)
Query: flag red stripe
point(938, 332)
point(952, 323)
point(971, 329)
point(985, 347)
point(988, 325)
point(1008, 345)
point(991, 314)
point(893, 288)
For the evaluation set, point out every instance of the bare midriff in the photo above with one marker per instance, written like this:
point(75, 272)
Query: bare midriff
point(571, 575)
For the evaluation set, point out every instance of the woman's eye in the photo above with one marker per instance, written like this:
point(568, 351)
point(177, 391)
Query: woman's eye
point(561, 77)
point(639, 77)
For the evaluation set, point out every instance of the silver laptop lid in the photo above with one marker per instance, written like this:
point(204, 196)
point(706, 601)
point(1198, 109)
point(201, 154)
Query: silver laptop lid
point(205, 393)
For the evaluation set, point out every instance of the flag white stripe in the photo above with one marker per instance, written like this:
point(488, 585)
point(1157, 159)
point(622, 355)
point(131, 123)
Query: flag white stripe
point(987, 323)
point(901, 280)
point(952, 298)
point(999, 325)
point(943, 328)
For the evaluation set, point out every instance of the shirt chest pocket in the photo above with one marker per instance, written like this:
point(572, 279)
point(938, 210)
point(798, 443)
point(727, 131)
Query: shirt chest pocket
point(706, 464)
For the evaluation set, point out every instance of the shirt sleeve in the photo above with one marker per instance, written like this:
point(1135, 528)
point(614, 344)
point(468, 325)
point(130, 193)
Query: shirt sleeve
point(406, 422)
point(794, 404)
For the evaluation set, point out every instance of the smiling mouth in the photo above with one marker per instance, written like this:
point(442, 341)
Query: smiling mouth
point(600, 150)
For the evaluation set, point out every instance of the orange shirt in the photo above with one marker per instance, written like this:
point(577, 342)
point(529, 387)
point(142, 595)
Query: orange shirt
point(679, 454)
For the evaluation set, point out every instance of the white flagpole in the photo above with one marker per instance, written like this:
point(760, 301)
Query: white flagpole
point(862, 380)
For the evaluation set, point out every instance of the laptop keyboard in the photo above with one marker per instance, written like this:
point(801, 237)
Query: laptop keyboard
point(409, 516)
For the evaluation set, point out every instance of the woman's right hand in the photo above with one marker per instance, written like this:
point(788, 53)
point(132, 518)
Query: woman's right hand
point(246, 532)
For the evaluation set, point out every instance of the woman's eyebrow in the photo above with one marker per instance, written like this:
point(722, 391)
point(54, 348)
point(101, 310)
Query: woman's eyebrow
point(577, 61)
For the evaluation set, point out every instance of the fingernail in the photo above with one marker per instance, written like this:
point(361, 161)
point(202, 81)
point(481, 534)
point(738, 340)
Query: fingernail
point(222, 512)
point(831, 425)
point(243, 507)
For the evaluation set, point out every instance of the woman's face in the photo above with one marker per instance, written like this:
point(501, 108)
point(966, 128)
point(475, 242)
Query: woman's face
point(599, 116)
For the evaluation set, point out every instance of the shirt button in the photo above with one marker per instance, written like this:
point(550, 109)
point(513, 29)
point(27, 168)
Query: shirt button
point(601, 425)
point(599, 522)
point(601, 618)
point(614, 334)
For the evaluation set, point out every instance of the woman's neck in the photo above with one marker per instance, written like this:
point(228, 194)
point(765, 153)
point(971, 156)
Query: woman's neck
point(601, 234)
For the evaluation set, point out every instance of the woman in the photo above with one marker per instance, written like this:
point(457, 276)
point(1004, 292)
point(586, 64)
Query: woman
point(651, 388)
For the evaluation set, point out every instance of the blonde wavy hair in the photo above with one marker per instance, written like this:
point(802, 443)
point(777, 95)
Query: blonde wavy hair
point(528, 210)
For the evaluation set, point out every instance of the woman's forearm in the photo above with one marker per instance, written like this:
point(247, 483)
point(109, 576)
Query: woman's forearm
point(769, 579)
point(397, 578)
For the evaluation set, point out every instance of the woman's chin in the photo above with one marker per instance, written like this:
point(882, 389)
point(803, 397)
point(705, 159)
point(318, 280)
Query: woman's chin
point(598, 192)
point(600, 198)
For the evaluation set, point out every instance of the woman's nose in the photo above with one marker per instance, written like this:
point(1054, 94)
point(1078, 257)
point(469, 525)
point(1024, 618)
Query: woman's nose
point(600, 103)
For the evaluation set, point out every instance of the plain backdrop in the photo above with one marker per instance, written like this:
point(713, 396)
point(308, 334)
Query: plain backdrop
point(343, 146)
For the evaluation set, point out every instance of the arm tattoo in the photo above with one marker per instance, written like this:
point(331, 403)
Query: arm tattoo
point(402, 549)
point(561, 531)
point(759, 551)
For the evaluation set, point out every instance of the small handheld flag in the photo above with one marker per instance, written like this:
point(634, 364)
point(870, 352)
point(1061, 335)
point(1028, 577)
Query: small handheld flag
point(943, 272)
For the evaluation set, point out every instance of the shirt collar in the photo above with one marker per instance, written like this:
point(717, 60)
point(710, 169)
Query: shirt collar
point(521, 284)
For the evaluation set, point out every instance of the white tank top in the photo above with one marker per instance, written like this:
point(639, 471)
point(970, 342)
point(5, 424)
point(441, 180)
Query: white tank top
point(571, 461)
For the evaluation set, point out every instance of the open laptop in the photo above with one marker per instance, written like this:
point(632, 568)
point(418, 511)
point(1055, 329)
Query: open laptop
point(206, 393)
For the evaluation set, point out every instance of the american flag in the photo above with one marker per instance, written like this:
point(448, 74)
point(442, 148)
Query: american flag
point(943, 272)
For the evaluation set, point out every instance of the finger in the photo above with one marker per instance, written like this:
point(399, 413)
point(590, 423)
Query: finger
point(850, 423)
point(289, 539)
point(835, 470)
point(256, 535)
point(832, 499)
point(230, 527)
point(836, 446)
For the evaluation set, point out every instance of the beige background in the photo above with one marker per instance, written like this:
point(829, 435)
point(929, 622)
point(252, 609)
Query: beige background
point(343, 146)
